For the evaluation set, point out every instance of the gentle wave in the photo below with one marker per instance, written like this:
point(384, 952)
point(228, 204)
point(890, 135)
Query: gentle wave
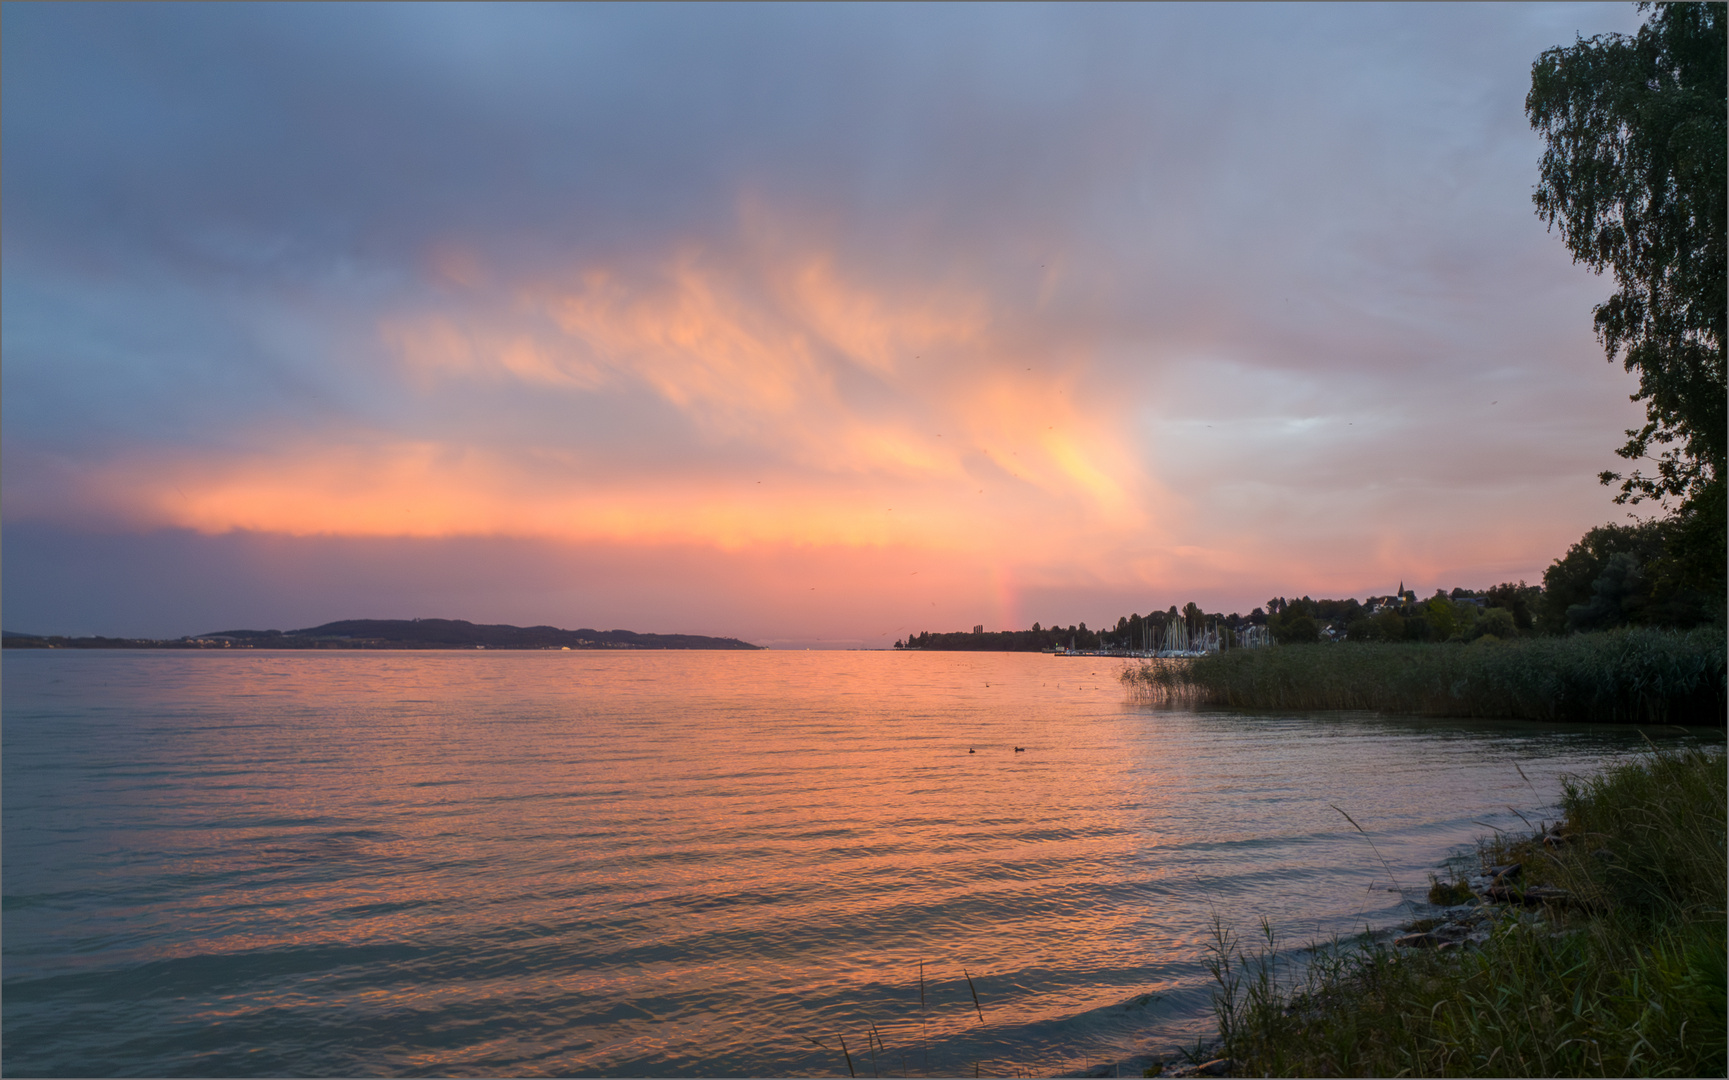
point(679, 863)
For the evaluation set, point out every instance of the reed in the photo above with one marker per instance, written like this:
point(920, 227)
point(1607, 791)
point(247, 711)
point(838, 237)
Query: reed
point(1384, 864)
point(1630, 676)
point(1628, 980)
point(924, 1029)
point(874, 1040)
point(975, 992)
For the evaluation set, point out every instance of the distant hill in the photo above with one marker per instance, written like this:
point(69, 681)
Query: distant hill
point(395, 634)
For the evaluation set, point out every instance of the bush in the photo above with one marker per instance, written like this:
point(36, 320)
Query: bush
point(1496, 622)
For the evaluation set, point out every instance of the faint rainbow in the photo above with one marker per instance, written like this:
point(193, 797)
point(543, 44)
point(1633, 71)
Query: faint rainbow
point(1008, 601)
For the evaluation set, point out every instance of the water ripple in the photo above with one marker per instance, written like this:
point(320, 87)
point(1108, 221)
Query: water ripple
point(677, 864)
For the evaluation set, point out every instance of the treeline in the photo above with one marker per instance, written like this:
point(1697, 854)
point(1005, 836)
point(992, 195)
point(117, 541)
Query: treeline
point(12, 640)
point(462, 634)
point(1132, 633)
point(395, 634)
point(1505, 611)
point(1038, 639)
point(1666, 573)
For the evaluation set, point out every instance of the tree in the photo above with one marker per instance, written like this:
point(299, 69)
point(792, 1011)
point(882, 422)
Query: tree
point(1520, 599)
point(1297, 630)
point(1571, 581)
point(1443, 620)
point(1389, 625)
point(1617, 596)
point(1634, 178)
point(1496, 622)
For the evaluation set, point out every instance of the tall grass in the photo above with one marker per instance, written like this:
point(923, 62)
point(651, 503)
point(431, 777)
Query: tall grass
point(1628, 980)
point(1632, 676)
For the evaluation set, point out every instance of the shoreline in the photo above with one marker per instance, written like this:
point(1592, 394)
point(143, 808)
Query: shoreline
point(1593, 945)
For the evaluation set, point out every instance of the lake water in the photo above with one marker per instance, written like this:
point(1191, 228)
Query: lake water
point(674, 863)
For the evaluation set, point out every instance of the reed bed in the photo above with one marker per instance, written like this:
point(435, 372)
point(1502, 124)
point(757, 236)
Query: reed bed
point(1626, 979)
point(1629, 676)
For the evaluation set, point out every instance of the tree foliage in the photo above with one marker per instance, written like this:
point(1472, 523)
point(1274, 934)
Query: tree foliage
point(1619, 575)
point(1634, 179)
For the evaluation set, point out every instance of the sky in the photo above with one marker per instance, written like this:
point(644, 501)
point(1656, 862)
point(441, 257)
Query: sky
point(811, 325)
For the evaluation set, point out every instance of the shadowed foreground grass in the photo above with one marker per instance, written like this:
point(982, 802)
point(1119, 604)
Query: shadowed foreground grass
point(1628, 979)
point(1634, 676)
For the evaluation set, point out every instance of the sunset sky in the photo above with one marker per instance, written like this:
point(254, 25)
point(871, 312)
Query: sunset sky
point(811, 325)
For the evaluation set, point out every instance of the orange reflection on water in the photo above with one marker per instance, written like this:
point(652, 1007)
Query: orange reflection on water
point(477, 831)
point(671, 862)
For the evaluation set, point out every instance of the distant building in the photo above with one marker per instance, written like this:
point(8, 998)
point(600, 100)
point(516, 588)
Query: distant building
point(1401, 599)
point(979, 629)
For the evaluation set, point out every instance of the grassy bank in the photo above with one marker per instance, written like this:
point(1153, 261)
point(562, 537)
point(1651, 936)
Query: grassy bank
point(1621, 973)
point(1633, 676)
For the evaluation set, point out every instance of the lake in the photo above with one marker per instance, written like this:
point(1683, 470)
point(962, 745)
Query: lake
point(674, 863)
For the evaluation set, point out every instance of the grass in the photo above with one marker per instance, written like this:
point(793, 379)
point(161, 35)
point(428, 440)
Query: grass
point(1627, 979)
point(1631, 676)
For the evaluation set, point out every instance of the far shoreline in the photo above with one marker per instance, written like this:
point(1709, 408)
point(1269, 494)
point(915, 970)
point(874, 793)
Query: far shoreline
point(395, 634)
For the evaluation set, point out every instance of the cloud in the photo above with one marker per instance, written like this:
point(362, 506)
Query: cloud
point(876, 418)
point(1170, 298)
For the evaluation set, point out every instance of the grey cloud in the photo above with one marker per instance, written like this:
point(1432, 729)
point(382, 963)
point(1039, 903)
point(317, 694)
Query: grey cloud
point(313, 129)
point(1175, 155)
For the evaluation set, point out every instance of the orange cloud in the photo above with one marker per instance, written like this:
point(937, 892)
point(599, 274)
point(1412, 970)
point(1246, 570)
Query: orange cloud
point(435, 348)
point(429, 490)
point(782, 353)
point(877, 416)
